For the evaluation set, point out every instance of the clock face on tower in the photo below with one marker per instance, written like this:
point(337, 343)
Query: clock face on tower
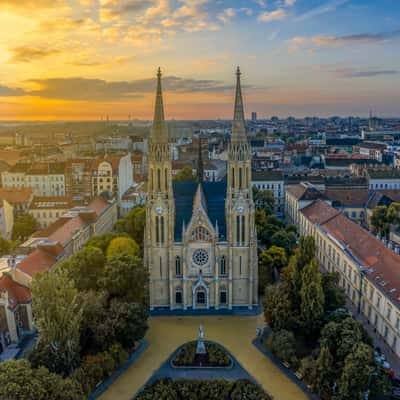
point(240, 209)
point(159, 210)
point(200, 257)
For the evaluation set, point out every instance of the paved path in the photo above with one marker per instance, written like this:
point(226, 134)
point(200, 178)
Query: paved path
point(166, 334)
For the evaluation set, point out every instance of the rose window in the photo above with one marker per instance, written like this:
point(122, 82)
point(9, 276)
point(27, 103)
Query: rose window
point(200, 257)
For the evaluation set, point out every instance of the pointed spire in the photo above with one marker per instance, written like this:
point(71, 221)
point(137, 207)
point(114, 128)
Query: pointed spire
point(238, 126)
point(159, 132)
point(200, 168)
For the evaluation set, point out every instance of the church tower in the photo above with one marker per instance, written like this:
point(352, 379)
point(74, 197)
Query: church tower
point(242, 237)
point(160, 211)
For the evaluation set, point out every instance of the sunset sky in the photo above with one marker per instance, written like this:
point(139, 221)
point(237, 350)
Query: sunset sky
point(83, 59)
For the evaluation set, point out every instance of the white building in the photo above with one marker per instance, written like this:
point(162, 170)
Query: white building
point(45, 179)
point(272, 181)
point(383, 178)
point(368, 270)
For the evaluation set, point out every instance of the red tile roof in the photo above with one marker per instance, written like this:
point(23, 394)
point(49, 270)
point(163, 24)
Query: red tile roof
point(15, 195)
point(37, 261)
point(382, 265)
point(351, 197)
point(98, 205)
point(17, 293)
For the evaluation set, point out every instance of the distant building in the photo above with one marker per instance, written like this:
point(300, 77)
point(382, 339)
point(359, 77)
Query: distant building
point(273, 181)
point(19, 198)
point(254, 116)
point(45, 179)
point(6, 219)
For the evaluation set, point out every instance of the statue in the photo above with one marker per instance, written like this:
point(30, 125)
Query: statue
point(201, 332)
point(201, 347)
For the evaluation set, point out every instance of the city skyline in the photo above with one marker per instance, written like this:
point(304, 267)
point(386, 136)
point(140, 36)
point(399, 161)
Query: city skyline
point(85, 59)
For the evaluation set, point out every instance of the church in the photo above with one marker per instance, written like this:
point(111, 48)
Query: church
point(200, 244)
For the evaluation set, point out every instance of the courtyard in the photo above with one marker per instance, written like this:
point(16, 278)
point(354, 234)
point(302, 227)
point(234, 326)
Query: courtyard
point(236, 333)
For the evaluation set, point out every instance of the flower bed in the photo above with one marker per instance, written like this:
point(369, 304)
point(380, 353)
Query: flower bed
point(216, 356)
point(209, 389)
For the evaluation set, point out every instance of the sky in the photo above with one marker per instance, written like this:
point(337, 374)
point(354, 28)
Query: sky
point(86, 59)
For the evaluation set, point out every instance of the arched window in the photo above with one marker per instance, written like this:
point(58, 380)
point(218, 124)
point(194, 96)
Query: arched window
point(238, 229)
point(178, 271)
point(158, 179)
point(162, 229)
point(223, 296)
point(222, 266)
point(243, 230)
point(178, 296)
point(157, 230)
point(201, 234)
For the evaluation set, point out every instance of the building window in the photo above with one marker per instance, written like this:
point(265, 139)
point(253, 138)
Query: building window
point(162, 229)
point(159, 179)
point(157, 230)
point(223, 296)
point(178, 296)
point(389, 313)
point(222, 270)
point(160, 267)
point(238, 229)
point(240, 265)
point(166, 179)
point(201, 234)
point(178, 266)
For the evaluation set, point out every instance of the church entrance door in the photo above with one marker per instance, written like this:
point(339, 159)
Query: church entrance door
point(201, 298)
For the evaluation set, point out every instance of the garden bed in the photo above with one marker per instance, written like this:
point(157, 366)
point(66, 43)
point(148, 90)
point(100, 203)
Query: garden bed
point(187, 389)
point(216, 357)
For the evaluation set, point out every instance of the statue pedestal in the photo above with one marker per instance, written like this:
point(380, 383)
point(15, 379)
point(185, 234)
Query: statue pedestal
point(201, 347)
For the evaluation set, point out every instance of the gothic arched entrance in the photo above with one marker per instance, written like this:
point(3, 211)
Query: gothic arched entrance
point(200, 294)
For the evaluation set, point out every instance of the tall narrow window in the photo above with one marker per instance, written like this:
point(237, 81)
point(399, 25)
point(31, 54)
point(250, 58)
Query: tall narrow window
point(162, 229)
point(238, 229)
point(222, 270)
point(160, 267)
point(247, 178)
point(243, 230)
point(166, 179)
point(240, 265)
point(159, 179)
point(157, 230)
point(178, 266)
point(233, 177)
point(240, 179)
point(151, 180)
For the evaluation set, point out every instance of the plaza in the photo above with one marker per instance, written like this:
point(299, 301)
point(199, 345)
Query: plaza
point(235, 333)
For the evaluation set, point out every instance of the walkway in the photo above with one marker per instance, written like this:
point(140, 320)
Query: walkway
point(236, 333)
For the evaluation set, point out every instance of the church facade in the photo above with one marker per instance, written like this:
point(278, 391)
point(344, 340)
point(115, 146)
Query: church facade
point(200, 244)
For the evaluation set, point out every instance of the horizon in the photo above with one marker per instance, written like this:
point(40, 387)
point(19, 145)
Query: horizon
point(80, 60)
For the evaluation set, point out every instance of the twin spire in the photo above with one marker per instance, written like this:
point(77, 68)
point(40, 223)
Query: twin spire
point(160, 130)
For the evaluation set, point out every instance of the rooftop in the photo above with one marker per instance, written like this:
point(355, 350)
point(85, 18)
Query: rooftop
point(17, 293)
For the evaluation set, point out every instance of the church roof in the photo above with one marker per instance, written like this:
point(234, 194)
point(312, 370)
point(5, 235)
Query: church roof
point(214, 194)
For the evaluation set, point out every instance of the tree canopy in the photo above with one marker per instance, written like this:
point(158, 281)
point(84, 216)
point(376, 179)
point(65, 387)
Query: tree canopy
point(185, 175)
point(122, 245)
point(24, 226)
point(133, 224)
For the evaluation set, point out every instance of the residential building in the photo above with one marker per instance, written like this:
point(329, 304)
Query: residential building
point(19, 198)
point(368, 270)
point(273, 181)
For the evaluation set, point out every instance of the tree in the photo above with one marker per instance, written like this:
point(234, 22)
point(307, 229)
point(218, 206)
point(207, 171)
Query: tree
point(24, 226)
point(278, 308)
point(133, 224)
point(334, 295)
point(122, 245)
point(5, 246)
point(264, 200)
point(125, 277)
point(284, 239)
point(57, 315)
point(283, 345)
point(269, 262)
point(19, 381)
point(379, 221)
point(104, 240)
point(343, 337)
point(86, 267)
point(358, 366)
point(324, 376)
point(185, 175)
point(312, 298)
point(125, 323)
